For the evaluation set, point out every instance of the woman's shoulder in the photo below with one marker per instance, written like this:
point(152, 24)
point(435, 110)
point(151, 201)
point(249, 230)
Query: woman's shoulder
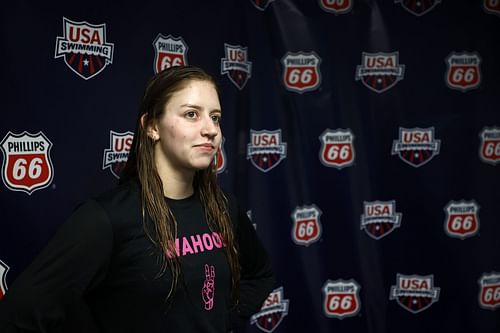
point(234, 207)
point(120, 201)
point(120, 193)
point(230, 200)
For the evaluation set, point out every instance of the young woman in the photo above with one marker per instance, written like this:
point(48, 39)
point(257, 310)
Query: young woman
point(166, 250)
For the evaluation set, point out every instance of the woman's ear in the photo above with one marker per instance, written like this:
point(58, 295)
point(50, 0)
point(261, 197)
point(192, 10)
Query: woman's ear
point(150, 127)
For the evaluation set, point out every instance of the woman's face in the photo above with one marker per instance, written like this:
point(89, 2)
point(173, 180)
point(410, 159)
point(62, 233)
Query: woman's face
point(189, 131)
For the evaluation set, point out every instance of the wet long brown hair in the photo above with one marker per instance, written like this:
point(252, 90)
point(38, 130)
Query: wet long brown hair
point(141, 165)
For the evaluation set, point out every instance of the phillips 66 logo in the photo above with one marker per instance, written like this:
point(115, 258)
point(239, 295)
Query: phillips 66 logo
point(463, 71)
point(341, 298)
point(462, 219)
point(492, 6)
point(414, 293)
point(306, 225)
point(27, 165)
point(301, 71)
point(337, 148)
point(489, 149)
point(489, 291)
point(3, 278)
point(169, 51)
point(220, 158)
point(336, 6)
point(274, 309)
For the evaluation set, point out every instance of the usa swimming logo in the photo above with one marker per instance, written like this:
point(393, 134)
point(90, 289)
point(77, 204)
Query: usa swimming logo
point(84, 48)
point(418, 7)
point(336, 7)
point(414, 293)
point(169, 51)
point(341, 298)
point(380, 71)
point(416, 146)
point(27, 165)
point(116, 156)
point(489, 291)
point(274, 309)
point(236, 65)
point(337, 149)
point(266, 150)
point(463, 72)
point(380, 218)
point(489, 148)
point(491, 6)
point(3, 278)
point(306, 225)
point(462, 220)
point(249, 215)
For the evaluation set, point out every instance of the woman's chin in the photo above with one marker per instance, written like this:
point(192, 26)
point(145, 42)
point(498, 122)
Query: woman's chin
point(202, 165)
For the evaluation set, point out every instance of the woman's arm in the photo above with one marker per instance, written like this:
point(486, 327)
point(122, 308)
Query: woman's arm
point(257, 278)
point(49, 295)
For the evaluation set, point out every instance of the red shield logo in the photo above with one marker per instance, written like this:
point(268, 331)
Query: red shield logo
point(27, 165)
point(337, 148)
point(3, 278)
point(492, 6)
point(489, 149)
point(274, 309)
point(462, 219)
point(380, 71)
point(169, 51)
point(220, 158)
point(341, 298)
point(84, 48)
point(306, 225)
point(301, 71)
point(489, 291)
point(463, 71)
point(336, 6)
point(418, 7)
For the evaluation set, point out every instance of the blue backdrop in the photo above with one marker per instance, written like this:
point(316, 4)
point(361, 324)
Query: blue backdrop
point(362, 136)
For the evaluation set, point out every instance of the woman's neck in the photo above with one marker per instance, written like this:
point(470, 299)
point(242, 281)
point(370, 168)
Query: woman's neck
point(175, 188)
point(177, 184)
point(177, 180)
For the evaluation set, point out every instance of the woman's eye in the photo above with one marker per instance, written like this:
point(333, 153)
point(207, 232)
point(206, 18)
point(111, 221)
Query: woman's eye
point(190, 114)
point(216, 119)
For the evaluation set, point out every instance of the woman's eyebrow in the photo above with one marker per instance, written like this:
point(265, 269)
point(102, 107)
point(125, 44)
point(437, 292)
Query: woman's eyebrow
point(194, 106)
point(197, 107)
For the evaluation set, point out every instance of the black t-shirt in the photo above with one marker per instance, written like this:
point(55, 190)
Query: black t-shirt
point(101, 273)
